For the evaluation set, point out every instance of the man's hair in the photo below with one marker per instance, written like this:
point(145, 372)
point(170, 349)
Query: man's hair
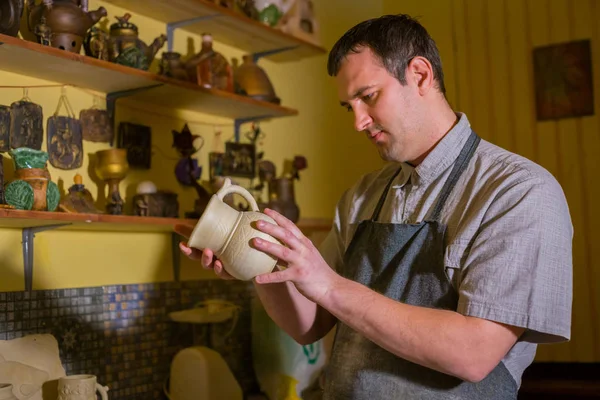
point(395, 40)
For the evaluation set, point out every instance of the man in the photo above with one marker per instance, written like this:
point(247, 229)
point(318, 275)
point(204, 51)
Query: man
point(445, 268)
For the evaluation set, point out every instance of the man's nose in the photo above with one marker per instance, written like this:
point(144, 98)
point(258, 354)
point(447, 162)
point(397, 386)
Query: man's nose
point(362, 119)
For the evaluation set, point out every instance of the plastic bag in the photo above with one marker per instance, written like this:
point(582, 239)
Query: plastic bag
point(283, 367)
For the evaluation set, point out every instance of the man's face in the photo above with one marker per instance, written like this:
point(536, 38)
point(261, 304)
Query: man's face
point(383, 108)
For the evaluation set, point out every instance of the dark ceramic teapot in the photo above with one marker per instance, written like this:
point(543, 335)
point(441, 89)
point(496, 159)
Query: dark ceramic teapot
point(66, 22)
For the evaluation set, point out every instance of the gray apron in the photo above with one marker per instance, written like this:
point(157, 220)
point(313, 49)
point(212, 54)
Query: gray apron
point(404, 262)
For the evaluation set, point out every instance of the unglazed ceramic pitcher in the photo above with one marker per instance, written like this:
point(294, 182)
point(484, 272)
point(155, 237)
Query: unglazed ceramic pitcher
point(80, 387)
point(228, 233)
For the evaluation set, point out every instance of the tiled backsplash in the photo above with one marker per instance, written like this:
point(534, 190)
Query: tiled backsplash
point(122, 334)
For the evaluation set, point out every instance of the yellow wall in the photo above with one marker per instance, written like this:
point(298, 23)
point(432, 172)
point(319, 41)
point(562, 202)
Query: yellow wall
point(489, 75)
point(322, 132)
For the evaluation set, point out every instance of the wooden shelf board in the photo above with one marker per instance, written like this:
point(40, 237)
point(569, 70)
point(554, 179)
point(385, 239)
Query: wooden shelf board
point(10, 218)
point(228, 27)
point(32, 59)
point(19, 219)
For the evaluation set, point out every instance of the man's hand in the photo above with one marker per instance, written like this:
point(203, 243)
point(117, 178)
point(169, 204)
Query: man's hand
point(206, 257)
point(306, 269)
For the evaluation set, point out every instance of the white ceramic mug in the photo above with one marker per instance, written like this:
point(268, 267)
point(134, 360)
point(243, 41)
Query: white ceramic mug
point(228, 233)
point(80, 387)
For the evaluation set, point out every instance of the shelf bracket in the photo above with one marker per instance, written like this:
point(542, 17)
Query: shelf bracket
point(28, 235)
point(111, 102)
point(257, 56)
point(171, 26)
point(176, 256)
point(237, 123)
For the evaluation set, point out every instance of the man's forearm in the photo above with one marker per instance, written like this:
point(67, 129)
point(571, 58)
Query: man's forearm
point(438, 339)
point(302, 319)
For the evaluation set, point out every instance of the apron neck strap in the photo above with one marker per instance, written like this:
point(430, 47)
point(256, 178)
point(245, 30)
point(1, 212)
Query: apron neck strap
point(459, 166)
point(383, 196)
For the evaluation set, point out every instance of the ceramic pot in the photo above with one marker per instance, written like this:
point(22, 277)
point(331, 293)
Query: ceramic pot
point(252, 81)
point(10, 16)
point(228, 232)
point(31, 188)
point(6, 392)
point(80, 387)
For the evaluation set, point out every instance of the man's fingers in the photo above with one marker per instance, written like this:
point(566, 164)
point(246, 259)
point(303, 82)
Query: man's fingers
point(220, 271)
point(192, 253)
point(278, 232)
point(274, 277)
point(207, 258)
point(274, 249)
point(284, 222)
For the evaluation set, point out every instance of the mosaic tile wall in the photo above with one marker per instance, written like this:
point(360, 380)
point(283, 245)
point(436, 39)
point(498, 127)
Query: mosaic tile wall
point(122, 334)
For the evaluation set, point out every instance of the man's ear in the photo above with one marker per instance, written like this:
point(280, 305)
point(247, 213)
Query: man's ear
point(420, 72)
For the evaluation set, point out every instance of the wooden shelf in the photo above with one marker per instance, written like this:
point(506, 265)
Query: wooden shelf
point(227, 26)
point(32, 59)
point(10, 218)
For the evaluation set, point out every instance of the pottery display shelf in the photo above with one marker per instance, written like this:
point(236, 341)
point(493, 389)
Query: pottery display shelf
point(225, 25)
point(33, 59)
point(32, 222)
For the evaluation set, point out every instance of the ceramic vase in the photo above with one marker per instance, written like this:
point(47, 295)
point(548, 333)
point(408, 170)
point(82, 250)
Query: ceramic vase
point(31, 188)
point(80, 387)
point(228, 233)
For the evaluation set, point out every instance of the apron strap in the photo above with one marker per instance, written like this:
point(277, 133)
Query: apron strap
point(461, 164)
point(379, 206)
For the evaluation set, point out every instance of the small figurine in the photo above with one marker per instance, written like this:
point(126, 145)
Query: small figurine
point(43, 32)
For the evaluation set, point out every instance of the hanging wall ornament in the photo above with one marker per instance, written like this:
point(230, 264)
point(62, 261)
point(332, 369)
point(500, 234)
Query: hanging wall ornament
point(4, 128)
point(26, 129)
point(95, 124)
point(65, 146)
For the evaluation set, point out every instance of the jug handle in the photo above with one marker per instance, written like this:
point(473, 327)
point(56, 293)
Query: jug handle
point(229, 188)
point(102, 390)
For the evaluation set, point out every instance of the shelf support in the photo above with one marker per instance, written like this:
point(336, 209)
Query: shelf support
point(257, 56)
point(111, 102)
point(28, 235)
point(237, 123)
point(171, 26)
point(176, 256)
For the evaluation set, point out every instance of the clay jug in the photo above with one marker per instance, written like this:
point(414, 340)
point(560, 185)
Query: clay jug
point(228, 233)
point(6, 392)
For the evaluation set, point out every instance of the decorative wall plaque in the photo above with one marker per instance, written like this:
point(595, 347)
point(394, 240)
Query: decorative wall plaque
point(65, 146)
point(95, 125)
point(26, 129)
point(137, 139)
point(4, 128)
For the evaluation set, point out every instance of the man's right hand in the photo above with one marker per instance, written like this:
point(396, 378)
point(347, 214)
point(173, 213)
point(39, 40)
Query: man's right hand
point(206, 256)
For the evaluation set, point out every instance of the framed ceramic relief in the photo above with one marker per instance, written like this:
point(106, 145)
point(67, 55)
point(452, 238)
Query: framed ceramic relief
point(563, 80)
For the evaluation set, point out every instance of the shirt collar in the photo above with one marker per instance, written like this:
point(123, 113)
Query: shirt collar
point(443, 154)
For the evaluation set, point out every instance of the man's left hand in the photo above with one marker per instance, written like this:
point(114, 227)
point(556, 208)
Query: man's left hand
point(305, 267)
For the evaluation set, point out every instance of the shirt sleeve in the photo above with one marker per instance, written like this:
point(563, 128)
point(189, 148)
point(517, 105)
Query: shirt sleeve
point(518, 270)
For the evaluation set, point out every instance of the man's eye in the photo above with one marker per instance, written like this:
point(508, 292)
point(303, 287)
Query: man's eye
point(368, 97)
point(349, 108)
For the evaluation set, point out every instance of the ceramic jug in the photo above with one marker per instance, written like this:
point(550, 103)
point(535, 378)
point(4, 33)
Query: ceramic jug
point(80, 387)
point(228, 233)
point(6, 392)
